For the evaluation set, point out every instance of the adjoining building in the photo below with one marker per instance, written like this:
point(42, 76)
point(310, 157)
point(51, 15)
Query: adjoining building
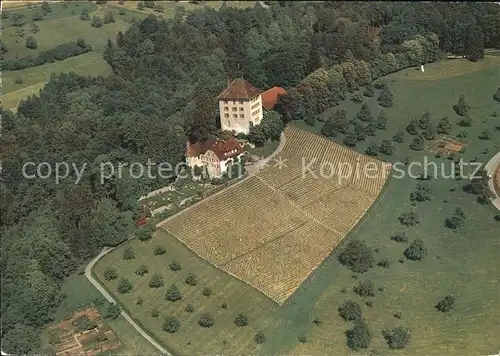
point(214, 155)
point(240, 106)
point(270, 97)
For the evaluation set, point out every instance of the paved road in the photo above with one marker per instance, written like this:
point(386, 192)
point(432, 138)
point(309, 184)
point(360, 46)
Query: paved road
point(88, 274)
point(491, 168)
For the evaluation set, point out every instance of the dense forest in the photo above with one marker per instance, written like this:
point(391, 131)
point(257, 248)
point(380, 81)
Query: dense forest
point(167, 74)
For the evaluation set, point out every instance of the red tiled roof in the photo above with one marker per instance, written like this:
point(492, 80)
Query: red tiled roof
point(239, 89)
point(222, 149)
point(270, 97)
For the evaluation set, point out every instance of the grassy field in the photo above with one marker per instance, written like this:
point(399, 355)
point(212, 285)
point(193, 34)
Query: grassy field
point(35, 78)
point(464, 263)
point(60, 26)
point(80, 293)
point(191, 339)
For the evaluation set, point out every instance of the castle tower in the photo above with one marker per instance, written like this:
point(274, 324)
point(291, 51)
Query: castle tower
point(240, 106)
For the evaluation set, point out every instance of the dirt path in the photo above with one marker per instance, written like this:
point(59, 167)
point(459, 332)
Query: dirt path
point(491, 167)
point(88, 274)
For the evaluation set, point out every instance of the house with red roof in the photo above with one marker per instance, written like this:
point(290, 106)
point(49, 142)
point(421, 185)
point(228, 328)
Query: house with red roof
point(214, 155)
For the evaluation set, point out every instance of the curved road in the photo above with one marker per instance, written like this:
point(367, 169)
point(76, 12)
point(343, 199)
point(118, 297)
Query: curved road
point(88, 274)
point(106, 250)
point(491, 168)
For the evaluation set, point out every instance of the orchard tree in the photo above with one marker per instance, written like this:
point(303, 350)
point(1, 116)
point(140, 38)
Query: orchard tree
point(496, 96)
point(387, 148)
point(156, 281)
point(171, 325)
point(359, 337)
point(457, 220)
point(372, 150)
point(369, 92)
point(386, 98)
point(465, 121)
point(425, 120)
point(461, 108)
point(446, 304)
point(365, 289)
point(206, 320)
point(141, 270)
point(241, 320)
point(400, 237)
point(191, 279)
point(382, 120)
point(412, 127)
point(159, 250)
point(398, 337)
point(418, 143)
point(444, 126)
point(429, 133)
point(399, 137)
point(416, 251)
point(422, 193)
point(124, 286)
point(260, 338)
point(409, 219)
point(357, 256)
point(110, 274)
point(109, 18)
point(31, 42)
point(84, 16)
point(96, 22)
point(350, 140)
point(350, 310)
point(129, 254)
point(173, 293)
point(364, 113)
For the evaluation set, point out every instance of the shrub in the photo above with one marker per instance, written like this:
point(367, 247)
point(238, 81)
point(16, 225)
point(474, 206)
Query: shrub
point(260, 338)
point(397, 338)
point(173, 293)
point(399, 137)
point(400, 237)
point(241, 320)
point(109, 18)
point(112, 311)
point(96, 22)
point(110, 274)
point(189, 308)
point(18, 80)
point(191, 279)
point(159, 250)
point(31, 42)
point(206, 292)
point(139, 301)
point(357, 256)
point(206, 320)
point(141, 270)
point(365, 289)
point(171, 325)
point(384, 262)
point(175, 266)
point(409, 219)
point(359, 337)
point(465, 121)
point(316, 321)
point(496, 96)
point(446, 304)
point(302, 339)
point(156, 281)
point(386, 98)
point(457, 220)
point(416, 251)
point(223, 305)
point(124, 286)
point(350, 310)
point(485, 135)
point(145, 232)
point(155, 313)
point(128, 253)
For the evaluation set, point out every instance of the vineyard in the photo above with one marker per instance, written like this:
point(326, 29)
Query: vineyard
point(273, 230)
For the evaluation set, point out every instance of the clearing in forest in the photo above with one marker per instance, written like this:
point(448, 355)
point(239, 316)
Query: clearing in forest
point(275, 229)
